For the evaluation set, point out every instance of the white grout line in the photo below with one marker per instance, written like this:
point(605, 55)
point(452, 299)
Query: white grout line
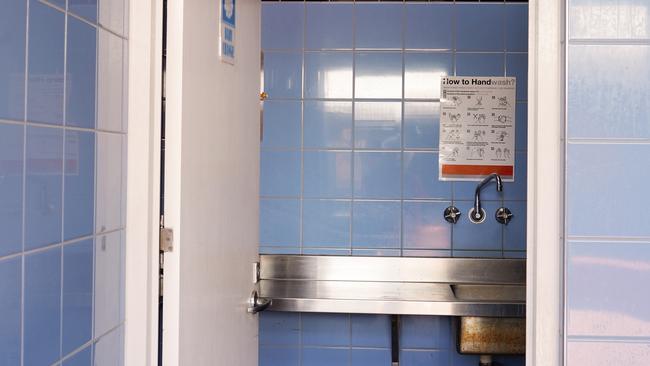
point(63, 160)
point(353, 155)
point(24, 185)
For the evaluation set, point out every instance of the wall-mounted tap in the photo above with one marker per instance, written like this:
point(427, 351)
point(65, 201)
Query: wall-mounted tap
point(503, 215)
point(477, 214)
point(452, 214)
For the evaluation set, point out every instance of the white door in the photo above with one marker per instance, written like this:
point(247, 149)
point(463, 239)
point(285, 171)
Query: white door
point(211, 185)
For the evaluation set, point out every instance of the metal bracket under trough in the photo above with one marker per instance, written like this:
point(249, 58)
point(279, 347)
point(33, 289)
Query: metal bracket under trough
point(394, 285)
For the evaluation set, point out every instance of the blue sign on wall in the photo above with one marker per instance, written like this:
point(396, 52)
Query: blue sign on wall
point(228, 15)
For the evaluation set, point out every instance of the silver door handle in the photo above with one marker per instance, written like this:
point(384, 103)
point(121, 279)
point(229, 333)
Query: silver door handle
point(257, 304)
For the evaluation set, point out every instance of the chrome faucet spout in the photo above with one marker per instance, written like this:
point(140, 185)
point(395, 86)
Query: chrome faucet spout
point(477, 214)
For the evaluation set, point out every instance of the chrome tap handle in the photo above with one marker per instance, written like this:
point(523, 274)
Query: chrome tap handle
point(452, 214)
point(503, 215)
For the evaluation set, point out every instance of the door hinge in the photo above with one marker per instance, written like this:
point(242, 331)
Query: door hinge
point(166, 239)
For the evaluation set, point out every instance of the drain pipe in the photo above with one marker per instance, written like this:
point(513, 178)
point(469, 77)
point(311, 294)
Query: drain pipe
point(485, 360)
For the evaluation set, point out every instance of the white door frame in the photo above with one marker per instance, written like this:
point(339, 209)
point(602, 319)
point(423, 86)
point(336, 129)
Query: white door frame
point(143, 182)
point(546, 114)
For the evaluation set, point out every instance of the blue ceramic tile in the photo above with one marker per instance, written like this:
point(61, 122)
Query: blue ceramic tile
point(10, 284)
point(370, 330)
point(467, 190)
point(607, 94)
point(514, 254)
point(491, 253)
point(422, 74)
point(598, 19)
point(480, 27)
point(377, 252)
point(485, 236)
point(421, 177)
point(280, 222)
point(12, 60)
point(604, 180)
point(79, 184)
point(517, 190)
point(45, 79)
point(424, 358)
point(327, 124)
point(377, 175)
point(326, 223)
point(376, 225)
point(273, 356)
point(480, 64)
point(282, 124)
point(607, 352)
point(378, 125)
point(425, 332)
point(44, 189)
point(325, 251)
point(425, 226)
point(465, 360)
point(328, 25)
point(427, 26)
point(325, 329)
point(325, 356)
point(113, 15)
point(514, 234)
point(327, 174)
point(378, 75)
point(378, 25)
point(517, 66)
point(81, 358)
point(421, 125)
point(426, 253)
point(279, 328)
point(59, 3)
point(109, 350)
point(77, 294)
point(280, 173)
point(110, 183)
point(516, 25)
point(111, 75)
point(604, 289)
point(42, 308)
point(277, 32)
point(328, 74)
point(11, 188)
point(283, 74)
point(370, 357)
point(109, 297)
point(279, 250)
point(84, 8)
point(80, 75)
point(510, 360)
point(521, 127)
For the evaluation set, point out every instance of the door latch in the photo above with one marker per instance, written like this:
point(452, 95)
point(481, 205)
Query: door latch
point(166, 239)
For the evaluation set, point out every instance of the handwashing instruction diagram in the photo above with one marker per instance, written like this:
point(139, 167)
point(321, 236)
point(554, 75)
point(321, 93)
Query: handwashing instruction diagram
point(477, 127)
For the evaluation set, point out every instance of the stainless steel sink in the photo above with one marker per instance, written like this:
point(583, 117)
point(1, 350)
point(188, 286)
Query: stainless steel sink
point(394, 285)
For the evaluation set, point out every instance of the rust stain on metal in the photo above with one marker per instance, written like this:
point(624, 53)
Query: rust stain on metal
point(492, 336)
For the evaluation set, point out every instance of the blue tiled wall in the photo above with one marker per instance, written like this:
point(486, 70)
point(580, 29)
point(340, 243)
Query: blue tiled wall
point(350, 152)
point(62, 173)
point(608, 167)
